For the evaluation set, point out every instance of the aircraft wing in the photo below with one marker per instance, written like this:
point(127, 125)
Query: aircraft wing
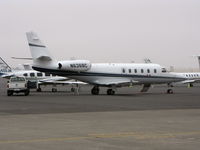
point(62, 82)
point(189, 81)
point(6, 75)
point(118, 82)
point(59, 80)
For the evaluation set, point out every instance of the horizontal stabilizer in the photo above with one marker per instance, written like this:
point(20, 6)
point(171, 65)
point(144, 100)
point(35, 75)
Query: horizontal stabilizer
point(22, 58)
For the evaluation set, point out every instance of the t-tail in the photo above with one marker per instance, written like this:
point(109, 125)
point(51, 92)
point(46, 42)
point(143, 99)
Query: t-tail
point(40, 53)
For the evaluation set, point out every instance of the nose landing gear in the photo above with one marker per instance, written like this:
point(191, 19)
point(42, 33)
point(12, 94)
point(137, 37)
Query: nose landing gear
point(170, 91)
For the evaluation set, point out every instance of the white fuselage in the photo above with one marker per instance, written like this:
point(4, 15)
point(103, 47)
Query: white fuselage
point(102, 73)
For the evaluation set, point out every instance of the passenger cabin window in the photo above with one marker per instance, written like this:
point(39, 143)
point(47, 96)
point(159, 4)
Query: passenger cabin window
point(47, 74)
point(39, 74)
point(142, 71)
point(155, 71)
point(25, 74)
point(148, 71)
point(32, 74)
point(129, 70)
point(164, 70)
point(135, 70)
point(53, 75)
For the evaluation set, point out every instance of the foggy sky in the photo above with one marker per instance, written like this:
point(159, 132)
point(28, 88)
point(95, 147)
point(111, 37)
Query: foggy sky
point(166, 31)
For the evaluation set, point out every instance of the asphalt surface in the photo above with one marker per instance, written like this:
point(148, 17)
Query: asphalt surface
point(127, 120)
point(126, 99)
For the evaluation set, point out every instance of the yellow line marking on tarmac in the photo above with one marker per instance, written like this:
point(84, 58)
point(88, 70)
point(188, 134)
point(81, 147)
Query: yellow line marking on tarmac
point(137, 135)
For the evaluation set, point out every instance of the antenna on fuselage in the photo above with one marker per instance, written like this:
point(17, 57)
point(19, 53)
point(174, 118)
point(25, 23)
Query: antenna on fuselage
point(147, 60)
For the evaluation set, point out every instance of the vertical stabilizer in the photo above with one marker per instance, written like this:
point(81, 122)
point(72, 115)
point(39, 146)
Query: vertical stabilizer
point(199, 61)
point(39, 51)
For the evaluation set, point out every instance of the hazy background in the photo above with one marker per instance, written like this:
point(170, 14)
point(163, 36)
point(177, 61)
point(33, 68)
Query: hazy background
point(166, 31)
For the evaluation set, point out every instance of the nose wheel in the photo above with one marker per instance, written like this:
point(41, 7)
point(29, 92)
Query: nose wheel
point(95, 90)
point(170, 91)
point(110, 92)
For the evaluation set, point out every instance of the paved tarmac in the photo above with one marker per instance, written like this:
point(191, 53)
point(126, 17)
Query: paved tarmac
point(127, 120)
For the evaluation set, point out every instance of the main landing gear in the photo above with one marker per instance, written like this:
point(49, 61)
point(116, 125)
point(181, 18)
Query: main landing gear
point(95, 90)
point(170, 91)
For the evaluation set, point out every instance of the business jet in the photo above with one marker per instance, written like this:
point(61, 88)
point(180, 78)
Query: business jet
point(111, 75)
point(191, 77)
point(37, 78)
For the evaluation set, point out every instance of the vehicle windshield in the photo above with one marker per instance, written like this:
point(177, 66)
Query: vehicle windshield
point(17, 79)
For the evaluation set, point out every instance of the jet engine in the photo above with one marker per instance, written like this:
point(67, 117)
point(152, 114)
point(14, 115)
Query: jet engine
point(74, 65)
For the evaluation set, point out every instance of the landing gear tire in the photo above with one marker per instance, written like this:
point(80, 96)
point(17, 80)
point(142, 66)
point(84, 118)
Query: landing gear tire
point(26, 93)
point(54, 90)
point(39, 90)
point(72, 90)
point(110, 92)
point(95, 90)
point(170, 91)
point(191, 85)
point(9, 93)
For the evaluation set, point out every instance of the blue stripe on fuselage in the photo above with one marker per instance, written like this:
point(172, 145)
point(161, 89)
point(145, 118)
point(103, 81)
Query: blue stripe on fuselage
point(73, 73)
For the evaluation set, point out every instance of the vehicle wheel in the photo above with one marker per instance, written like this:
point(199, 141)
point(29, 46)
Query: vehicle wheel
point(110, 92)
point(95, 90)
point(9, 93)
point(170, 91)
point(26, 93)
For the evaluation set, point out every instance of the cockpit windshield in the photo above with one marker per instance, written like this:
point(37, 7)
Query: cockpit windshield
point(164, 70)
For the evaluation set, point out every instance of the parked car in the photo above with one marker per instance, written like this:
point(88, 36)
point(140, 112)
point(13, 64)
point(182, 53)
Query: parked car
point(17, 85)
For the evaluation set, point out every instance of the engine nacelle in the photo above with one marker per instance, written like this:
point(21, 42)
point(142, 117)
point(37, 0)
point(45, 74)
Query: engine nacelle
point(74, 65)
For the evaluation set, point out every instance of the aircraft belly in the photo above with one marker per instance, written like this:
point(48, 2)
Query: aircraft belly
point(141, 80)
